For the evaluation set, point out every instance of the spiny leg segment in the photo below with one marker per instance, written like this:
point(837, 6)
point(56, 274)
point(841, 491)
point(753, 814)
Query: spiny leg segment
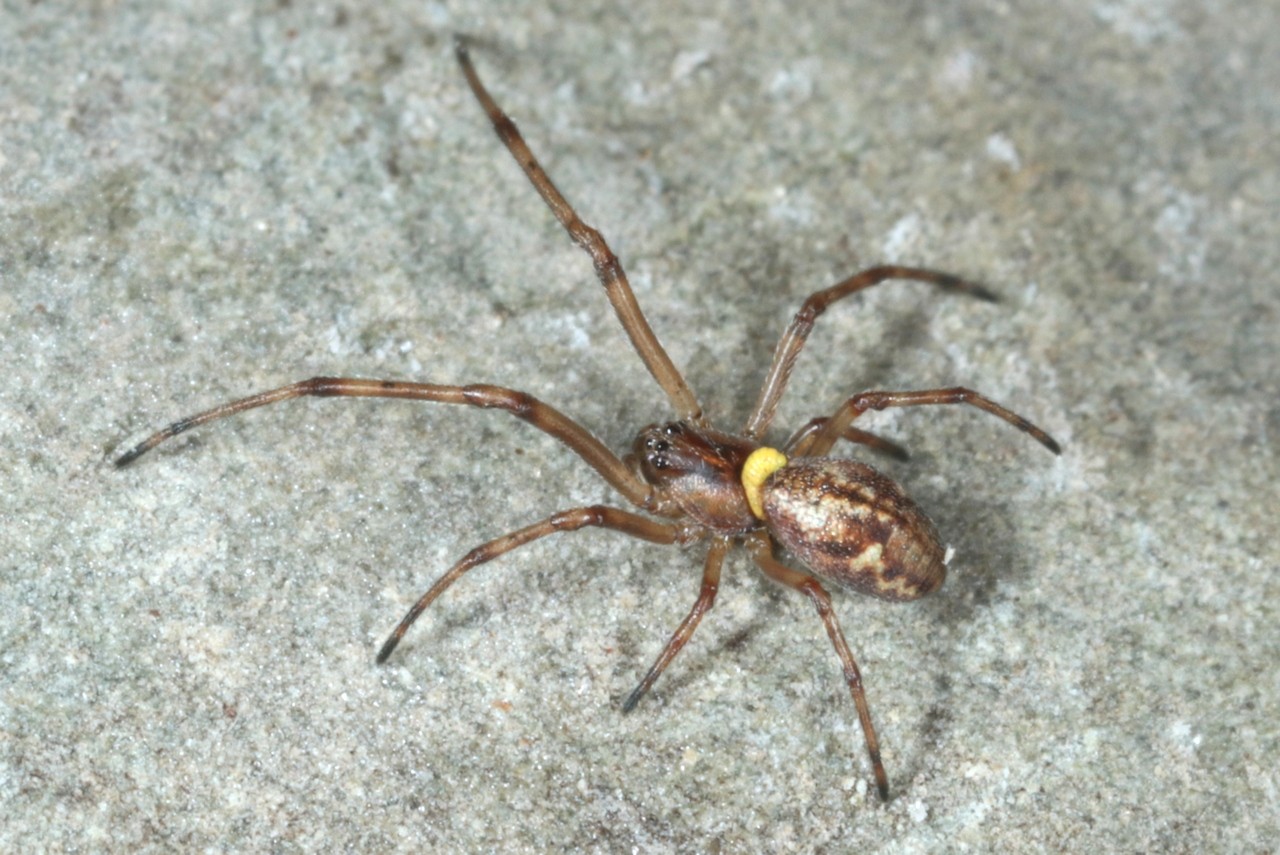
point(761, 548)
point(797, 332)
point(606, 264)
point(798, 444)
point(521, 405)
point(820, 443)
point(600, 516)
point(702, 605)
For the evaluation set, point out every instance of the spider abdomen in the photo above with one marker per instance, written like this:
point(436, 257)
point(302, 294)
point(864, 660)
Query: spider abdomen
point(851, 525)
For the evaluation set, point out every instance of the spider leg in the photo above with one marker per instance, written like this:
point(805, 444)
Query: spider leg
point(521, 405)
point(793, 338)
point(761, 548)
point(799, 443)
point(607, 267)
point(600, 516)
point(702, 605)
point(859, 404)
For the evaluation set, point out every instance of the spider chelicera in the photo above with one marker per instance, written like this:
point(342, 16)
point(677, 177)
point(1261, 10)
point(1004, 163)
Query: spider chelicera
point(843, 521)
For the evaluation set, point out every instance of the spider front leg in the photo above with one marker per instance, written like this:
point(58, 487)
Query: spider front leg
point(608, 268)
point(523, 406)
point(761, 548)
point(599, 516)
point(879, 400)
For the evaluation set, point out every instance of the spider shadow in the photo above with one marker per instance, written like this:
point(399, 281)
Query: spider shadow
point(990, 555)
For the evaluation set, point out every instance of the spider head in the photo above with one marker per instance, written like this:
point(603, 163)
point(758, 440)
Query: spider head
point(698, 469)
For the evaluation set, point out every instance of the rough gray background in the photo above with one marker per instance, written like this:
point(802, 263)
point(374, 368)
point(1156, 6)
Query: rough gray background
point(202, 200)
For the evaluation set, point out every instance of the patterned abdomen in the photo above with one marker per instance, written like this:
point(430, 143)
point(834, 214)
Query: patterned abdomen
point(853, 526)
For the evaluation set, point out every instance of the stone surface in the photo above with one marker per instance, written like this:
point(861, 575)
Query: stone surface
point(200, 201)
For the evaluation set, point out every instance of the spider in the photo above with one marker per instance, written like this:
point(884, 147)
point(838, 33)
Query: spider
point(846, 523)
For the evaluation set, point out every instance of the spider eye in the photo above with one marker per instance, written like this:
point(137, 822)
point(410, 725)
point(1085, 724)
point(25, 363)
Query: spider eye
point(672, 429)
point(659, 462)
point(652, 444)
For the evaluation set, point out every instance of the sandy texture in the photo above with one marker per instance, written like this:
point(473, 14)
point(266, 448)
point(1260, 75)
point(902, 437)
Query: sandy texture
point(198, 201)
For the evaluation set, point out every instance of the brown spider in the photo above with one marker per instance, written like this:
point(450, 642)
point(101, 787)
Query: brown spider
point(847, 523)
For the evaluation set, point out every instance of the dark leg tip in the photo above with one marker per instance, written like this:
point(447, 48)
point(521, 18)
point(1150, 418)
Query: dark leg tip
point(632, 699)
point(385, 653)
point(973, 289)
point(129, 456)
point(895, 451)
point(983, 294)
